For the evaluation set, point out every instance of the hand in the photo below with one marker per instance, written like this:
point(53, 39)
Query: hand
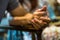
point(41, 18)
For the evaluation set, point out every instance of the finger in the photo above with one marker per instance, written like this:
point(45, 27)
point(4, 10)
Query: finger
point(39, 21)
point(38, 10)
point(47, 13)
point(40, 13)
point(44, 8)
point(35, 25)
point(46, 19)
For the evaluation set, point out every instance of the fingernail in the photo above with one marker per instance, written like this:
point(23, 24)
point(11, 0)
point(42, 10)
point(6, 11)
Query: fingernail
point(32, 20)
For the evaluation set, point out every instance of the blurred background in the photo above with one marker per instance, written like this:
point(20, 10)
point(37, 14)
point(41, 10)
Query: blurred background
point(53, 7)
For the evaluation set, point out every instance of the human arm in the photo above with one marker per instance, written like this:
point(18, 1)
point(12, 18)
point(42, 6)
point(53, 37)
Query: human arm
point(17, 11)
point(21, 17)
point(38, 23)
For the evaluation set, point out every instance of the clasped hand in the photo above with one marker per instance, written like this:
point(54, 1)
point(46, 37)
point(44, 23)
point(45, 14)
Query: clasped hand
point(41, 18)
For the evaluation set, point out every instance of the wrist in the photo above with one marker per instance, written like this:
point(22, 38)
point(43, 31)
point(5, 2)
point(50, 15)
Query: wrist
point(24, 20)
point(29, 16)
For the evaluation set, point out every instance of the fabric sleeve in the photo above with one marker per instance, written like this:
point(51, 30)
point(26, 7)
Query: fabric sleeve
point(12, 4)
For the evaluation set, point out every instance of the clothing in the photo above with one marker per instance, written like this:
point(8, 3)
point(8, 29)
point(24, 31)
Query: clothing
point(7, 5)
point(51, 33)
point(13, 34)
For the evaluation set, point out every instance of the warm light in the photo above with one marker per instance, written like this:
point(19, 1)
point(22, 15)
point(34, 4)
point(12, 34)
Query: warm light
point(58, 1)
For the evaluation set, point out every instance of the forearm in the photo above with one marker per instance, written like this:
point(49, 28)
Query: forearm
point(22, 20)
point(19, 11)
point(28, 16)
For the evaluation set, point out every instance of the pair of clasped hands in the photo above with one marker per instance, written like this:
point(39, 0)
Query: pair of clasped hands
point(41, 17)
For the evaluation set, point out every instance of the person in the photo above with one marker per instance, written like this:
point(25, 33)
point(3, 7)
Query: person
point(18, 13)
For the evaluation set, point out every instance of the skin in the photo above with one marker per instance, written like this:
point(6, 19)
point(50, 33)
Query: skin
point(23, 17)
point(41, 17)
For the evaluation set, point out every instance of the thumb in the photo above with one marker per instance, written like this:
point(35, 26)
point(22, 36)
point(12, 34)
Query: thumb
point(44, 8)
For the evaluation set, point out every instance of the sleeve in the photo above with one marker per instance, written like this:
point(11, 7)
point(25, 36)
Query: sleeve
point(12, 4)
